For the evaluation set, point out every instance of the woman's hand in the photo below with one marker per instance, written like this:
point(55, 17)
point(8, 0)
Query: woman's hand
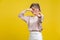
point(29, 9)
point(38, 14)
point(40, 30)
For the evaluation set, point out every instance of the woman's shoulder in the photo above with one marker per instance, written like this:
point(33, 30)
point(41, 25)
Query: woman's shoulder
point(29, 16)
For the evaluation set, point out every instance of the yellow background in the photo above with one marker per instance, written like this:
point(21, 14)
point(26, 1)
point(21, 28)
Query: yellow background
point(13, 28)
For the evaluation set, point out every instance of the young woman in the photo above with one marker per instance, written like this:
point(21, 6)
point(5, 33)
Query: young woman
point(34, 22)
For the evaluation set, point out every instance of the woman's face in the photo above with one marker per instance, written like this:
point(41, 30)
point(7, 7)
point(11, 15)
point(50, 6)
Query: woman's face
point(35, 10)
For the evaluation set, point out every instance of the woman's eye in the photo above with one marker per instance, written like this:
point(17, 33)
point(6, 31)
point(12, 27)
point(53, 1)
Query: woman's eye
point(33, 9)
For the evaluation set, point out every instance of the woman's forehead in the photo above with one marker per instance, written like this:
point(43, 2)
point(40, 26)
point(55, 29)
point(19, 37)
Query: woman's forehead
point(34, 7)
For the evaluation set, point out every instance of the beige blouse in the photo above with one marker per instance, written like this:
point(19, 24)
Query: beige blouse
point(34, 22)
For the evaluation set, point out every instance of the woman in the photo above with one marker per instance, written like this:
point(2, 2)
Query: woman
point(34, 22)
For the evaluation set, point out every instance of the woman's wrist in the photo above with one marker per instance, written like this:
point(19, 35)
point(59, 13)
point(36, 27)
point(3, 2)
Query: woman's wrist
point(29, 9)
point(24, 11)
point(39, 15)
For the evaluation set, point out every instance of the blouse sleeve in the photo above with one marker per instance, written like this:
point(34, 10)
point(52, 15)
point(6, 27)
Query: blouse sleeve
point(40, 21)
point(41, 18)
point(21, 15)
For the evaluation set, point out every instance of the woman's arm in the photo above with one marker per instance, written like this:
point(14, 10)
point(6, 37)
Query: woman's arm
point(21, 15)
point(40, 18)
point(40, 22)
